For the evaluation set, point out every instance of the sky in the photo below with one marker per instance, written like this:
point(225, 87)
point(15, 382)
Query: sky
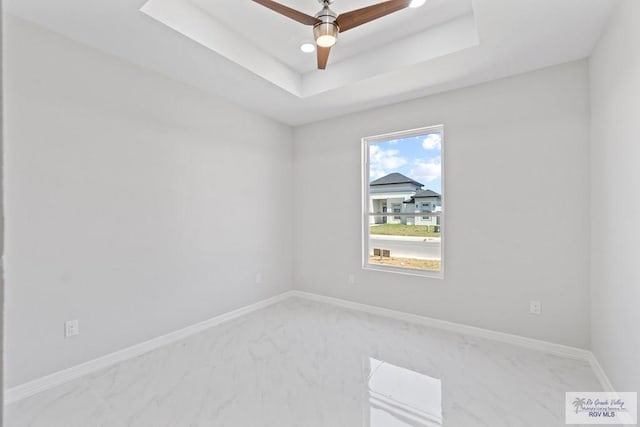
point(418, 157)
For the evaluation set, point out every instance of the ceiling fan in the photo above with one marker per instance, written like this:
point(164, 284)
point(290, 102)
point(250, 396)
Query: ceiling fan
point(327, 24)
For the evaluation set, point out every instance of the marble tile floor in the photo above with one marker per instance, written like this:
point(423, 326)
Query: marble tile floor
point(300, 363)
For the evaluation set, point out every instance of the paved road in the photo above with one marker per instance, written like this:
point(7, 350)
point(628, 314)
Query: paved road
point(407, 249)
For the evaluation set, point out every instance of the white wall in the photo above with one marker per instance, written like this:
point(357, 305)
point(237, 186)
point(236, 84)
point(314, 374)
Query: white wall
point(521, 142)
point(134, 203)
point(615, 184)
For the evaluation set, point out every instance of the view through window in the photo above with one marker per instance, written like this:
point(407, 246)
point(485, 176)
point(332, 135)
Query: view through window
point(403, 201)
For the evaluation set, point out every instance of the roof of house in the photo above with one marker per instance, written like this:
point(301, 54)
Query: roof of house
point(422, 194)
point(395, 178)
point(425, 193)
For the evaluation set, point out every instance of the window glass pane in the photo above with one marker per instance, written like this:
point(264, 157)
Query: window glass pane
point(405, 175)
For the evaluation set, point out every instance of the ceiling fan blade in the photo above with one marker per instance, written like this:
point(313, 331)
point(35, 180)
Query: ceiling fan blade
point(357, 17)
point(302, 18)
point(323, 56)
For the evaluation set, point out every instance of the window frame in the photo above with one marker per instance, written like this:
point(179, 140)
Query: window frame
point(365, 214)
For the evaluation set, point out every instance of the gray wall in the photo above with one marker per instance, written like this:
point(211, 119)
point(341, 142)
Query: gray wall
point(520, 143)
point(134, 203)
point(615, 187)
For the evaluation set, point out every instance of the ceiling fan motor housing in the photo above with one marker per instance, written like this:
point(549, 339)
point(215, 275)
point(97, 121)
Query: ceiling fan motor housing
point(328, 27)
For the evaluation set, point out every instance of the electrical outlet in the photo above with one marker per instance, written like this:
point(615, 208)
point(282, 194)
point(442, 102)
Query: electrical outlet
point(351, 279)
point(258, 278)
point(535, 307)
point(71, 328)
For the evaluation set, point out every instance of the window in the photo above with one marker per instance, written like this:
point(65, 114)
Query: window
point(426, 207)
point(396, 209)
point(398, 170)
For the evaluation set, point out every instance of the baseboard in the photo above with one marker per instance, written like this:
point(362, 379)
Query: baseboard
point(531, 343)
point(23, 391)
point(600, 374)
point(30, 388)
point(534, 344)
point(603, 378)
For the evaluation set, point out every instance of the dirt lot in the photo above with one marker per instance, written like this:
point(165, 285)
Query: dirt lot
point(403, 230)
point(424, 264)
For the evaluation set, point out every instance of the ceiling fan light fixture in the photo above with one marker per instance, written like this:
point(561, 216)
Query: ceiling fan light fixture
point(326, 34)
point(326, 41)
point(417, 3)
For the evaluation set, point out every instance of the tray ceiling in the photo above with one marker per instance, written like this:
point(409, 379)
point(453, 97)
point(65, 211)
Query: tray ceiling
point(268, 44)
point(444, 45)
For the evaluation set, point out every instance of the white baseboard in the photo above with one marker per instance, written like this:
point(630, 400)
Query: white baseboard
point(600, 374)
point(58, 378)
point(544, 346)
point(30, 388)
point(531, 343)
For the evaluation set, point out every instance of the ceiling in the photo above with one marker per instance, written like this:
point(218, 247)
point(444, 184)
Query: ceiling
point(268, 44)
point(250, 55)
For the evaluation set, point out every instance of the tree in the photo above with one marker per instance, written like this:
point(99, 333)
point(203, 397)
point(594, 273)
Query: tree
point(579, 403)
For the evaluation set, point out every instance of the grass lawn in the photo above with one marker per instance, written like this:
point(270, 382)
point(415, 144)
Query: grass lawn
point(424, 264)
point(402, 230)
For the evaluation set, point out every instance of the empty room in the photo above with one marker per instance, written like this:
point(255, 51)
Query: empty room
point(320, 213)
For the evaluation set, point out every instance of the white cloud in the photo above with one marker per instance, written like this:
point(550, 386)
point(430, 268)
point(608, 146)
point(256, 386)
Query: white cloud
point(426, 172)
point(383, 162)
point(432, 141)
point(377, 173)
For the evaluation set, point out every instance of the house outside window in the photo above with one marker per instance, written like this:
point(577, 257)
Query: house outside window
point(426, 207)
point(397, 209)
point(404, 172)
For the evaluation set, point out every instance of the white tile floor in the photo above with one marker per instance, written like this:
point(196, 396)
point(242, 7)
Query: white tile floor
point(304, 364)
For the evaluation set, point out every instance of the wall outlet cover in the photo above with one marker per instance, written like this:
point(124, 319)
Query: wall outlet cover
point(71, 328)
point(535, 307)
